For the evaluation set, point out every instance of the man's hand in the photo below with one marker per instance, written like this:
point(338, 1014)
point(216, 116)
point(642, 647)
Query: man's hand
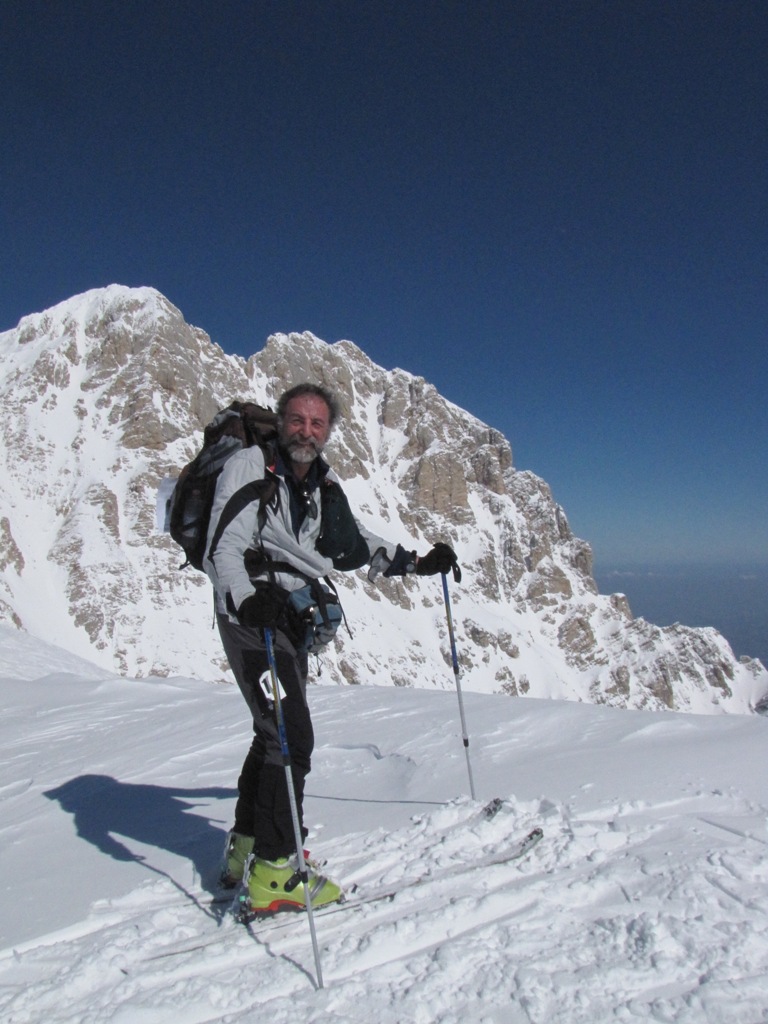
point(263, 608)
point(440, 558)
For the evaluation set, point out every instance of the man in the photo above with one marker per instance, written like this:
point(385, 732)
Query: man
point(259, 554)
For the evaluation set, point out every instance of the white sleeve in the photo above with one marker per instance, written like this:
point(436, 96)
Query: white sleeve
point(227, 568)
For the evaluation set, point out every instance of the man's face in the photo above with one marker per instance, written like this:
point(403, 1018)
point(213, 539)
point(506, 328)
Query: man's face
point(305, 428)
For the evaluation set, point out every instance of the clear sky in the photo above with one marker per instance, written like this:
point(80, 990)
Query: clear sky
point(556, 212)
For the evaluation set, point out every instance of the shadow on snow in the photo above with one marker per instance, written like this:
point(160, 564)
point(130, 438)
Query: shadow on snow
point(165, 817)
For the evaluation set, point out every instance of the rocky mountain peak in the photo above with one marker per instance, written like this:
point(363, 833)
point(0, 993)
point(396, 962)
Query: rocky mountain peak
point(106, 396)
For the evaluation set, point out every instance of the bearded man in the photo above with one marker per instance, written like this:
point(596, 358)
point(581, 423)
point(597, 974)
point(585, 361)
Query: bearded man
point(260, 555)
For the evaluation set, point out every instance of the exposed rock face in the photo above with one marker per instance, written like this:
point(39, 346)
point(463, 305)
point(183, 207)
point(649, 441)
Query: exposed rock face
point(106, 396)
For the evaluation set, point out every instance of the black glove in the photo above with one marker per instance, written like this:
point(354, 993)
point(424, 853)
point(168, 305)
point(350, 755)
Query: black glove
point(264, 607)
point(440, 559)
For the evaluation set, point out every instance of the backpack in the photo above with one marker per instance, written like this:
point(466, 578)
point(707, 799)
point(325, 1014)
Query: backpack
point(188, 510)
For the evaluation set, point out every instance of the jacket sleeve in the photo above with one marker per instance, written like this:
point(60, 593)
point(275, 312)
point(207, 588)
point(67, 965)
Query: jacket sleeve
point(234, 492)
point(383, 555)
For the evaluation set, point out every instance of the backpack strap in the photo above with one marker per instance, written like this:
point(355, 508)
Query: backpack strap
point(259, 563)
point(263, 491)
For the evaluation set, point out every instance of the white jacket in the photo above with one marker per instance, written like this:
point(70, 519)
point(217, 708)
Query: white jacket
point(227, 571)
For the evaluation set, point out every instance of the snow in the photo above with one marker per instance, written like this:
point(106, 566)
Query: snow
point(645, 901)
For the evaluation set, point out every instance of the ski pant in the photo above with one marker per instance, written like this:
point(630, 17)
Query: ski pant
point(263, 807)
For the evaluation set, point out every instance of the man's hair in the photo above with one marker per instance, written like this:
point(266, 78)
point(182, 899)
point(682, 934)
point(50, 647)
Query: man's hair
point(309, 389)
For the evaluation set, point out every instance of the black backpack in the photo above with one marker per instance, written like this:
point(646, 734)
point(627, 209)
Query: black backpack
point(188, 510)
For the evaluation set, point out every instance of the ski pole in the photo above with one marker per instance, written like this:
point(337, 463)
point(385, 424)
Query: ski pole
point(456, 674)
point(303, 869)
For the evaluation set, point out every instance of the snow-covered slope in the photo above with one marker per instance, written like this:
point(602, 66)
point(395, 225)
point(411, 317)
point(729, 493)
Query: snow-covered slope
point(646, 900)
point(105, 397)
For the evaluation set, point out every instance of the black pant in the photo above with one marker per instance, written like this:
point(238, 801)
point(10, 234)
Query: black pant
point(263, 807)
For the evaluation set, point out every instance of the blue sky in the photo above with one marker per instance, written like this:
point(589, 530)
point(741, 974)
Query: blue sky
point(556, 212)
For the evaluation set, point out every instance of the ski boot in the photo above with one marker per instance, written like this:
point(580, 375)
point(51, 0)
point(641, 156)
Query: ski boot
point(275, 885)
point(236, 853)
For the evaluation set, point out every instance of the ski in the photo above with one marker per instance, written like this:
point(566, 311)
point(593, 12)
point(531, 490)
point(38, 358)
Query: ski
point(245, 915)
point(266, 923)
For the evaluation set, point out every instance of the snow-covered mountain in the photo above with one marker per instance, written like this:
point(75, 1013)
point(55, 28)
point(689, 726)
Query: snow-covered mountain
point(105, 397)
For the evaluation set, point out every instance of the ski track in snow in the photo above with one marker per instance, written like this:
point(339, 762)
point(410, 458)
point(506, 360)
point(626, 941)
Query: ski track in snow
point(647, 899)
point(601, 906)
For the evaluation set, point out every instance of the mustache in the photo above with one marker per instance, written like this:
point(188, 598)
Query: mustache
point(309, 442)
point(303, 451)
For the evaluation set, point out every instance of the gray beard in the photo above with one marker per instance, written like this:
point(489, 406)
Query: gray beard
point(303, 454)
